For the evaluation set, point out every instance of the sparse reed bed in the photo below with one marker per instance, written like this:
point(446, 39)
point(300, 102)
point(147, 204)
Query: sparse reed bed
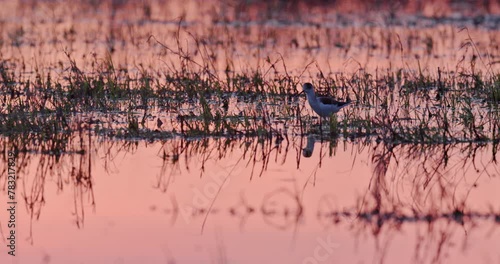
point(200, 89)
point(191, 101)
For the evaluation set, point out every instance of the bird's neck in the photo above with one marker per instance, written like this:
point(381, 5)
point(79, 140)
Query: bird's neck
point(313, 101)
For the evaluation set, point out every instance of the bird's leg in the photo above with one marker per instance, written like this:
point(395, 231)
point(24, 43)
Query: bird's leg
point(321, 126)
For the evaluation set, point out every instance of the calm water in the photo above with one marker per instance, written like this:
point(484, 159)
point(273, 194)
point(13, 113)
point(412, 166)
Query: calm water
point(296, 199)
point(246, 202)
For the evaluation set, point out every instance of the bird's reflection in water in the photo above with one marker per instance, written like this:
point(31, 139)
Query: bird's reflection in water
point(309, 149)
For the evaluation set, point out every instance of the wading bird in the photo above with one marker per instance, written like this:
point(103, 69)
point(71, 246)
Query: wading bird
point(323, 106)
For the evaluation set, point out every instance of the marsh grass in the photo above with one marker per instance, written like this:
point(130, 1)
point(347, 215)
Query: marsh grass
point(397, 107)
point(194, 98)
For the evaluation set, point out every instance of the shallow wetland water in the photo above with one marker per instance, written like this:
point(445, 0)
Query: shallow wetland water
point(175, 132)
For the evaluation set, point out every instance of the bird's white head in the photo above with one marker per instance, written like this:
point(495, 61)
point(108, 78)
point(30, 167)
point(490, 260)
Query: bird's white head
point(308, 88)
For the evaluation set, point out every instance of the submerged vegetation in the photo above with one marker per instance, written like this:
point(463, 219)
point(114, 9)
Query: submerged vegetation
point(198, 86)
point(191, 99)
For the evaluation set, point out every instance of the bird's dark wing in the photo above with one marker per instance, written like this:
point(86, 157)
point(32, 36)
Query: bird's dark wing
point(331, 101)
